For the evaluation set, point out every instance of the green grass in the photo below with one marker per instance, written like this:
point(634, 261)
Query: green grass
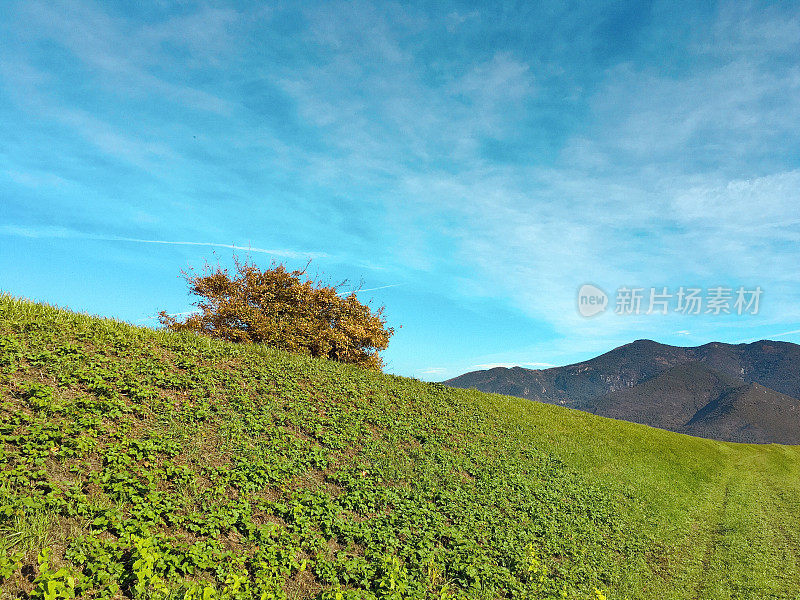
point(144, 464)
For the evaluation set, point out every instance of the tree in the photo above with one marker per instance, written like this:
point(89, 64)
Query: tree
point(283, 310)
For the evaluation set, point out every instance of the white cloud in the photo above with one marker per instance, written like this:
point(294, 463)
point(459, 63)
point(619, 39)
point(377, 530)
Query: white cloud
point(455, 19)
point(123, 54)
point(206, 34)
point(729, 205)
point(35, 178)
point(433, 371)
point(38, 231)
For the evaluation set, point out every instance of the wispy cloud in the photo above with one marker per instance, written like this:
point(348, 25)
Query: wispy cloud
point(95, 37)
point(433, 371)
point(508, 365)
point(35, 179)
point(493, 366)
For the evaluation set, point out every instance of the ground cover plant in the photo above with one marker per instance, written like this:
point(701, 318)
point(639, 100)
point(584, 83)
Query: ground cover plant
point(144, 464)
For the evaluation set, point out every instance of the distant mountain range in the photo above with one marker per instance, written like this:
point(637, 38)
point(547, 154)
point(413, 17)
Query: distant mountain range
point(732, 392)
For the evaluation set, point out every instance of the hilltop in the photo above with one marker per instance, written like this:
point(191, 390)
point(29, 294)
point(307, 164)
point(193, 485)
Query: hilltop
point(144, 464)
point(731, 392)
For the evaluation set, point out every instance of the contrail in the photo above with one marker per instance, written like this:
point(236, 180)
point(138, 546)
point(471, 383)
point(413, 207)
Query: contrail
point(382, 287)
point(771, 335)
point(284, 253)
point(63, 232)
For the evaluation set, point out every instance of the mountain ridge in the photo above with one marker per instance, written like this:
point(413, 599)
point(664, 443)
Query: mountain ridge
point(666, 386)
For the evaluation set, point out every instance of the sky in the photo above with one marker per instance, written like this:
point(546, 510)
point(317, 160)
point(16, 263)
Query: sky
point(469, 165)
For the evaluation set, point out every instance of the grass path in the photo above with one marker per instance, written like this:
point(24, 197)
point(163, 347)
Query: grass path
point(744, 542)
point(715, 531)
point(728, 515)
point(756, 554)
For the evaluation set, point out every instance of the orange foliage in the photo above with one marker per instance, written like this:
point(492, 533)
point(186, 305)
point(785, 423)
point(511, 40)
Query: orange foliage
point(276, 307)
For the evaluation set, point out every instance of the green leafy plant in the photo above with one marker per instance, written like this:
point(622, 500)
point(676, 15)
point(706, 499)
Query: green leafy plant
point(54, 584)
point(161, 464)
point(10, 561)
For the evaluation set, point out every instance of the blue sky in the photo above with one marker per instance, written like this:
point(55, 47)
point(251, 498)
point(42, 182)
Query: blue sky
point(473, 164)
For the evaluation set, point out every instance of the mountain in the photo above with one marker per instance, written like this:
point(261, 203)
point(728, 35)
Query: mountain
point(731, 392)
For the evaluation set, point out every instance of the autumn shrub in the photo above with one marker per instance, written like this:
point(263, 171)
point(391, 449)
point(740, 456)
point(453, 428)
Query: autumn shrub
point(284, 309)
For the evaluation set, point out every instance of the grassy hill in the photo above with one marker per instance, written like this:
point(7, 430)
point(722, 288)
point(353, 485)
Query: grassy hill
point(145, 464)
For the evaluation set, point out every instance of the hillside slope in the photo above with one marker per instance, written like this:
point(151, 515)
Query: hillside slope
point(749, 412)
point(669, 400)
point(144, 464)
